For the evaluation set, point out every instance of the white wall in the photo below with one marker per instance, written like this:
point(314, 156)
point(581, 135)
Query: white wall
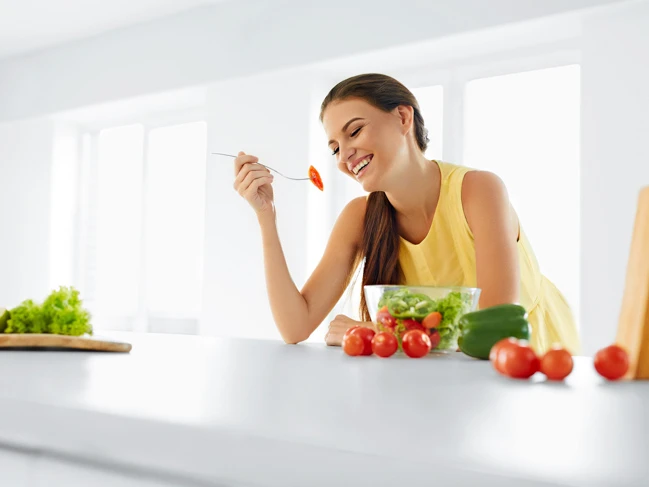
point(25, 160)
point(239, 38)
point(615, 159)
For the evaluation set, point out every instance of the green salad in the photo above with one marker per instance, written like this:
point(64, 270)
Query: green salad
point(402, 310)
point(62, 313)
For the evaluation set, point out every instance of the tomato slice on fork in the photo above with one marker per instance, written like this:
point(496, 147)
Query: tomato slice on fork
point(315, 178)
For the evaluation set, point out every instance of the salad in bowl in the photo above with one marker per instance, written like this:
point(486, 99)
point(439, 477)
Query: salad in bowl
point(435, 310)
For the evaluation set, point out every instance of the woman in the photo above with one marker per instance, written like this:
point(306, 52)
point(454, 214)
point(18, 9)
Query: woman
point(424, 222)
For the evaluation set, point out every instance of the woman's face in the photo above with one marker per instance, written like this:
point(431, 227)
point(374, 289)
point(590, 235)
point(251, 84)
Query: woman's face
point(366, 141)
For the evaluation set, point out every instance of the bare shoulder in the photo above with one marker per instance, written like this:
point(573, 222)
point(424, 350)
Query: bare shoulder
point(485, 199)
point(354, 211)
point(350, 221)
point(481, 186)
point(357, 206)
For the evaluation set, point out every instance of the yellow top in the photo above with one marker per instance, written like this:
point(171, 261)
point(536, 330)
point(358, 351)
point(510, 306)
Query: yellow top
point(446, 257)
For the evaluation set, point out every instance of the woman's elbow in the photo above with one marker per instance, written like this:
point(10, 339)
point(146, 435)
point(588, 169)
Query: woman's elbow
point(296, 336)
point(293, 340)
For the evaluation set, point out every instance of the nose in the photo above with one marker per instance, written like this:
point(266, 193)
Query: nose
point(346, 153)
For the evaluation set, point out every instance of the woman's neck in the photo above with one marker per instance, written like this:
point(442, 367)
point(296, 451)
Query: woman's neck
point(415, 190)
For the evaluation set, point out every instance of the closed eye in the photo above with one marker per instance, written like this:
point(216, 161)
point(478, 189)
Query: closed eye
point(353, 134)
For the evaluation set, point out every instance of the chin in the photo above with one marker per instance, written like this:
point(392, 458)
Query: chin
point(369, 186)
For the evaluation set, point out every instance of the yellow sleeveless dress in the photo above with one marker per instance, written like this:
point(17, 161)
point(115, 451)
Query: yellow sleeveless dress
point(446, 257)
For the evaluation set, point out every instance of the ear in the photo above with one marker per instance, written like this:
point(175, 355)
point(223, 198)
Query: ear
point(406, 116)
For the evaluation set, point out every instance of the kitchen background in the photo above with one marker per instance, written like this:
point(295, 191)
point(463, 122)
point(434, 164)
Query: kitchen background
point(109, 112)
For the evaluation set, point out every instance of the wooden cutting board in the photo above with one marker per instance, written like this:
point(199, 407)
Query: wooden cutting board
point(633, 325)
point(33, 341)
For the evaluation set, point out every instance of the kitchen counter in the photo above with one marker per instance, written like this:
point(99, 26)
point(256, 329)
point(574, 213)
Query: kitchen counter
point(192, 411)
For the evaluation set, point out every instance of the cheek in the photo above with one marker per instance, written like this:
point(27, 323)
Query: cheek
point(343, 168)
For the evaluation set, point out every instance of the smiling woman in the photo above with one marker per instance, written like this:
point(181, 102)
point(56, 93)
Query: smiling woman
point(424, 222)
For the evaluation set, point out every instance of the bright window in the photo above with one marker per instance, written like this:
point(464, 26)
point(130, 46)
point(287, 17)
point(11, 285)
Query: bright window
point(525, 128)
point(175, 219)
point(143, 233)
point(431, 103)
point(119, 220)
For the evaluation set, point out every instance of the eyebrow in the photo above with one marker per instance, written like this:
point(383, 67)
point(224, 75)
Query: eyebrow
point(345, 127)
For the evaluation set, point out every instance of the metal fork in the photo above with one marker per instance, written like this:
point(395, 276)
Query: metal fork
point(267, 167)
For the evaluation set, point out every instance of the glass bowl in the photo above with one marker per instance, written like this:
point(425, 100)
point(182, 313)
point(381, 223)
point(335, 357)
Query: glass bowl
point(431, 308)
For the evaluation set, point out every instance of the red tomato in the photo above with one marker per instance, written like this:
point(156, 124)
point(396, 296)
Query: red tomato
point(432, 320)
point(495, 353)
point(353, 345)
point(435, 338)
point(415, 343)
point(384, 344)
point(520, 361)
point(411, 324)
point(611, 362)
point(556, 364)
point(385, 318)
point(349, 330)
point(366, 334)
point(315, 178)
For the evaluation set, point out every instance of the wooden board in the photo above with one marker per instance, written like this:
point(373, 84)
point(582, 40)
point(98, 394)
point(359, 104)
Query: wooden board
point(633, 325)
point(33, 341)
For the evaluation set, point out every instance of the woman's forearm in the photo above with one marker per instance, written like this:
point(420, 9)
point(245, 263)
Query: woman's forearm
point(289, 308)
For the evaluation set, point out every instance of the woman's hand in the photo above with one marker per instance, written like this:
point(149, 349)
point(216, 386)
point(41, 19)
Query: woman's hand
point(339, 326)
point(253, 182)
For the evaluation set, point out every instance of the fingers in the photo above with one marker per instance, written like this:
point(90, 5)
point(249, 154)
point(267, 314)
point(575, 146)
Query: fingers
point(332, 341)
point(337, 329)
point(249, 175)
point(243, 184)
point(246, 170)
point(241, 160)
point(256, 184)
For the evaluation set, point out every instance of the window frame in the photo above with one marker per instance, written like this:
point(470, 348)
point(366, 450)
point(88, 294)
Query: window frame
point(144, 321)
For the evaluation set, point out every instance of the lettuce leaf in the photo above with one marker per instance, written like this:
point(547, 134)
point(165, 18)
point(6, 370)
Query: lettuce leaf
point(26, 318)
point(61, 313)
point(452, 307)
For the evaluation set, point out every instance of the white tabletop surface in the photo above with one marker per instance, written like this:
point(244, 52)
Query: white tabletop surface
point(246, 412)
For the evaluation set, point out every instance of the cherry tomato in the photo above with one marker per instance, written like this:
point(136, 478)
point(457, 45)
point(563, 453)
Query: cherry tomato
point(520, 361)
point(435, 338)
point(353, 345)
point(315, 178)
point(411, 324)
point(349, 331)
point(432, 320)
point(556, 364)
point(611, 362)
point(366, 334)
point(384, 344)
point(495, 353)
point(415, 343)
point(386, 319)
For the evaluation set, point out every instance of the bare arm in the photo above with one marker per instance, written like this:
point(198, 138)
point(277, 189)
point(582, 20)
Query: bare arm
point(298, 313)
point(495, 230)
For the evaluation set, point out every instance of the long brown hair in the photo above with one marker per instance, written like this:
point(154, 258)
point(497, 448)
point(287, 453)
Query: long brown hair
point(380, 247)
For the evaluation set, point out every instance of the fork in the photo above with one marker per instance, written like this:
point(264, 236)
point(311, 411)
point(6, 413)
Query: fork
point(267, 167)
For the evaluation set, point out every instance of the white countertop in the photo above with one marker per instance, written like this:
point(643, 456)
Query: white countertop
point(223, 411)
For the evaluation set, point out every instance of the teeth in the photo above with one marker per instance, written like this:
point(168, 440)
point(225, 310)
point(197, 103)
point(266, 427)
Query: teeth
point(361, 165)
